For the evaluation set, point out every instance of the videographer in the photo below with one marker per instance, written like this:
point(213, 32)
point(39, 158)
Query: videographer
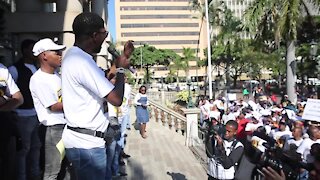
point(227, 151)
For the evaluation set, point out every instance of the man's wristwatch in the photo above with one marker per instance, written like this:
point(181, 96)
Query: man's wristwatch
point(120, 70)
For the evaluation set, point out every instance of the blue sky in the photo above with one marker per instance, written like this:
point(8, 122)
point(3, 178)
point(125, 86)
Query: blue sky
point(111, 19)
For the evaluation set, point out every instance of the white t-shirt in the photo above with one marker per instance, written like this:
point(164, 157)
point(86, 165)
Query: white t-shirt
point(295, 142)
point(228, 117)
point(277, 134)
point(252, 126)
point(126, 97)
point(138, 96)
point(14, 73)
point(46, 91)
point(215, 114)
point(304, 149)
point(84, 87)
point(7, 84)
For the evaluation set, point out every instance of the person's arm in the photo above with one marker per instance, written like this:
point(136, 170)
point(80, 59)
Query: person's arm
point(147, 103)
point(136, 99)
point(13, 102)
point(115, 97)
point(234, 156)
point(57, 107)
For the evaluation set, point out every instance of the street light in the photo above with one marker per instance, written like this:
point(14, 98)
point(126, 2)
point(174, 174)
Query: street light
point(209, 73)
point(190, 103)
point(313, 48)
point(313, 53)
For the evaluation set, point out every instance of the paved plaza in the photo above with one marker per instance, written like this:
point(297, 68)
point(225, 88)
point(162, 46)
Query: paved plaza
point(161, 156)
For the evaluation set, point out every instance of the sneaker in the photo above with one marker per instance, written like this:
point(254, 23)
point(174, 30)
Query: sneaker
point(124, 155)
point(122, 163)
point(123, 174)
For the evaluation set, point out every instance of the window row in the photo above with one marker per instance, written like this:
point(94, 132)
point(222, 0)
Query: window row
point(164, 16)
point(164, 42)
point(152, 8)
point(150, 25)
point(133, 34)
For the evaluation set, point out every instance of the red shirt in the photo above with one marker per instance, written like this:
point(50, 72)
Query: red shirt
point(241, 133)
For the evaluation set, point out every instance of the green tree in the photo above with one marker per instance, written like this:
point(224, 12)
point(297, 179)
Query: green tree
point(176, 65)
point(187, 56)
point(280, 17)
point(147, 56)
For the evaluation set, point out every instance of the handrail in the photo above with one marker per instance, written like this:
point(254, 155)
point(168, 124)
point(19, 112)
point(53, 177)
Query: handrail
point(163, 108)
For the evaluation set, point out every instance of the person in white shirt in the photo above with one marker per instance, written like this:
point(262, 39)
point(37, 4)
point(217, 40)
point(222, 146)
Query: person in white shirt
point(227, 152)
point(45, 87)
point(27, 121)
point(305, 146)
point(214, 113)
point(282, 131)
point(84, 90)
point(297, 137)
point(10, 98)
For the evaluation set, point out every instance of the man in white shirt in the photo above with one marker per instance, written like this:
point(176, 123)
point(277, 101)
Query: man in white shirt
point(45, 87)
point(305, 146)
point(84, 90)
point(27, 123)
point(10, 98)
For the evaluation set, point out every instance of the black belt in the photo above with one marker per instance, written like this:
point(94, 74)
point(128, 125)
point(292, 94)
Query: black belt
point(87, 131)
point(57, 125)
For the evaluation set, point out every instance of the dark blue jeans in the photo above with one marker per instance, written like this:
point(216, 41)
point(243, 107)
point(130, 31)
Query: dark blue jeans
point(28, 158)
point(88, 164)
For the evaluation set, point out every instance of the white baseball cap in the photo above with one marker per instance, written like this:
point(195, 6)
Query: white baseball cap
point(46, 45)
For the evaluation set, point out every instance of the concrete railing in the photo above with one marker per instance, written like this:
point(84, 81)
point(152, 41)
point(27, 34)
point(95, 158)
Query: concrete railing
point(185, 125)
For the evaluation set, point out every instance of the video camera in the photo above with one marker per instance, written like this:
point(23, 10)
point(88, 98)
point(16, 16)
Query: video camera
point(264, 153)
point(213, 128)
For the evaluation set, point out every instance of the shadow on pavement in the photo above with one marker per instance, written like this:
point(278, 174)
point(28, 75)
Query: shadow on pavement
point(177, 176)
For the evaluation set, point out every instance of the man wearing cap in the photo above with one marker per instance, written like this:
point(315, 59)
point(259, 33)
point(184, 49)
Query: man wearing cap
point(45, 87)
point(27, 121)
point(84, 90)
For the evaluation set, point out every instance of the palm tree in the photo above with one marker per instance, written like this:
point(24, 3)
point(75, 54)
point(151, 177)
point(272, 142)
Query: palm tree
point(281, 17)
point(177, 65)
point(187, 56)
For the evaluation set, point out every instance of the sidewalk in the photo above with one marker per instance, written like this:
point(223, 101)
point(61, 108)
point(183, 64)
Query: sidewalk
point(161, 156)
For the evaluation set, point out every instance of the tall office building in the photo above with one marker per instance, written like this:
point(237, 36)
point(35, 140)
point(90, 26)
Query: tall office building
point(165, 24)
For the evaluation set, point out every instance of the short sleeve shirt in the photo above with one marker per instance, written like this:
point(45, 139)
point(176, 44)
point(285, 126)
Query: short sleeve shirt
point(7, 85)
point(45, 89)
point(84, 87)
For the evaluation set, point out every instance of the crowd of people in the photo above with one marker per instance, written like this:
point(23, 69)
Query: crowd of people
point(67, 123)
point(238, 130)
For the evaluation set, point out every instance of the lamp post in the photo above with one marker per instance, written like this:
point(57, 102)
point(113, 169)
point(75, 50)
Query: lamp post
point(190, 103)
point(209, 73)
point(313, 53)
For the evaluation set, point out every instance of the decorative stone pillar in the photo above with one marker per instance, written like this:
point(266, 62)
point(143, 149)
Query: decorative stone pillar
point(163, 98)
point(192, 138)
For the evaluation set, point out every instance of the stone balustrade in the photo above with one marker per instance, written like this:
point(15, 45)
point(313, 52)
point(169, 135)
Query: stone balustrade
point(185, 125)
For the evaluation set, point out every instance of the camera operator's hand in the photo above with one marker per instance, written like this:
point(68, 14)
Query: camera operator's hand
point(219, 140)
point(271, 174)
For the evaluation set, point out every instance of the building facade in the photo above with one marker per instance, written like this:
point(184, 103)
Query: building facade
point(164, 24)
